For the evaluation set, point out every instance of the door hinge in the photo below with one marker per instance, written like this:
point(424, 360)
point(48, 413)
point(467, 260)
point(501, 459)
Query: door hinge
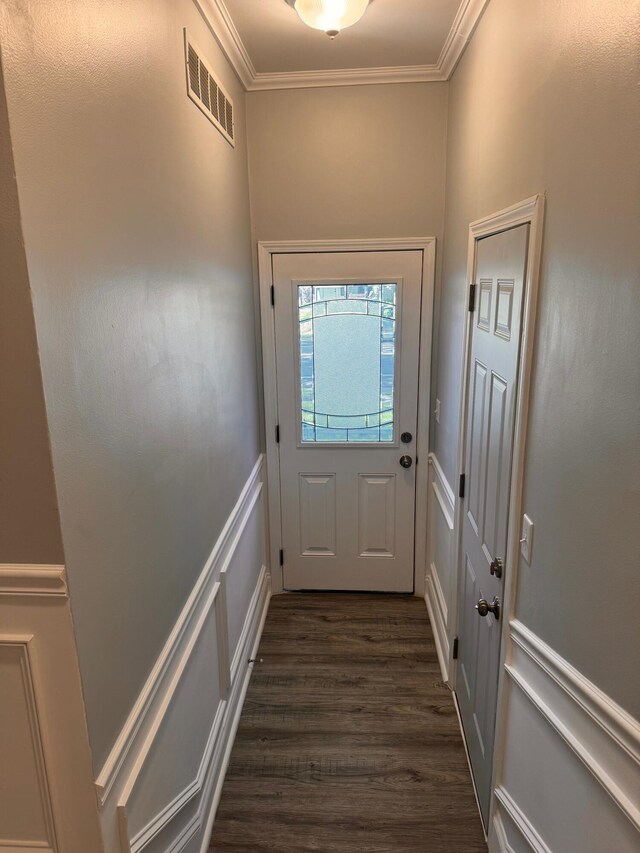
point(281, 557)
point(461, 486)
point(455, 648)
point(273, 295)
point(472, 297)
point(277, 433)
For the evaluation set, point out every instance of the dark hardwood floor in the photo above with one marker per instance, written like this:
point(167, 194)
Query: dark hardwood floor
point(348, 739)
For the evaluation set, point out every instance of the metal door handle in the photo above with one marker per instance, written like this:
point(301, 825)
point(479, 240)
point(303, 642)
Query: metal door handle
point(406, 461)
point(496, 567)
point(483, 607)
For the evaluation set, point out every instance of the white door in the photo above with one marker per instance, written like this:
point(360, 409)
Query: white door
point(347, 329)
point(491, 403)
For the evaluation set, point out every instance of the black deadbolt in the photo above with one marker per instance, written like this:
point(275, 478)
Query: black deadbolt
point(406, 438)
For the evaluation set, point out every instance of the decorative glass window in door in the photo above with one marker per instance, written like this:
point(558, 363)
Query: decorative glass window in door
point(347, 340)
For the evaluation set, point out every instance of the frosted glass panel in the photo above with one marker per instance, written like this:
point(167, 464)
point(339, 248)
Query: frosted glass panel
point(347, 362)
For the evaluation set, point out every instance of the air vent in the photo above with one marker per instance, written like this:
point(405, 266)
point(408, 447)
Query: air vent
point(206, 92)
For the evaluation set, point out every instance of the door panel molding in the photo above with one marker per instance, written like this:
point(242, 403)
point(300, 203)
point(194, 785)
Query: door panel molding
point(530, 212)
point(266, 251)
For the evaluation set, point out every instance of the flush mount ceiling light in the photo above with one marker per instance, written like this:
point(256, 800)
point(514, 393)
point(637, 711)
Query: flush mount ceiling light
point(330, 16)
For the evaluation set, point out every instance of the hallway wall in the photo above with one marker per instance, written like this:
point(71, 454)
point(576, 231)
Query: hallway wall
point(347, 162)
point(542, 102)
point(545, 100)
point(136, 226)
point(29, 522)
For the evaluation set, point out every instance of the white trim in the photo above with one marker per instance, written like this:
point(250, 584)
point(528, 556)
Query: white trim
point(36, 621)
point(599, 732)
point(266, 250)
point(224, 30)
point(26, 649)
point(501, 835)
point(531, 212)
point(441, 504)
point(448, 491)
point(190, 831)
point(25, 579)
point(519, 819)
point(219, 742)
point(346, 77)
point(438, 625)
point(161, 674)
point(225, 33)
point(168, 813)
point(463, 27)
point(248, 646)
point(618, 725)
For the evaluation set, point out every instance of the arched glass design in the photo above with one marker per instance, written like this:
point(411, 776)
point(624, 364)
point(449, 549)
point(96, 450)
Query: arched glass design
point(347, 343)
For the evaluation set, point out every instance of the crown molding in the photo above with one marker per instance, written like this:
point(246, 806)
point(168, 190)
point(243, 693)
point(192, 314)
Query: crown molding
point(463, 27)
point(345, 77)
point(221, 25)
point(225, 33)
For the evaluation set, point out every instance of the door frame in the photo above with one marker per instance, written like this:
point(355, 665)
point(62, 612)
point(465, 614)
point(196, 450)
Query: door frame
point(266, 250)
point(529, 211)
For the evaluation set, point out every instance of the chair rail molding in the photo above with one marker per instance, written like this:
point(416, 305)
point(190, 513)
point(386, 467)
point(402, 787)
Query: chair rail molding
point(22, 579)
point(224, 30)
point(587, 745)
point(158, 790)
point(602, 735)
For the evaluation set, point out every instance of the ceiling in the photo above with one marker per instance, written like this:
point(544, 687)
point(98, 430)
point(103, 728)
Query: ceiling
point(395, 41)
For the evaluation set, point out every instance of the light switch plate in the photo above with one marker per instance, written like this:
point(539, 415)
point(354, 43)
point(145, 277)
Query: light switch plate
point(526, 538)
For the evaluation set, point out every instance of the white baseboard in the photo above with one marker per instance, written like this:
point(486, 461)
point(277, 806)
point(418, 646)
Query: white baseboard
point(441, 579)
point(165, 771)
point(569, 766)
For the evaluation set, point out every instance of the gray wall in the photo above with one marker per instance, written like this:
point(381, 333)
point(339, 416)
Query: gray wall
point(545, 99)
point(136, 222)
point(348, 162)
point(356, 161)
point(29, 524)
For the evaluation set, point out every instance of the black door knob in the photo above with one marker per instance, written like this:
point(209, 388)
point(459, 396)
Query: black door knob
point(406, 461)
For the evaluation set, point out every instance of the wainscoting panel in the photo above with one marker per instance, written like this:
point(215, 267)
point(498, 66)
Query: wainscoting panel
point(569, 772)
point(441, 571)
point(46, 796)
point(160, 786)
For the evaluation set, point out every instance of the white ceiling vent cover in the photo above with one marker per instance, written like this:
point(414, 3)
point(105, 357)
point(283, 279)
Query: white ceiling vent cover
point(205, 91)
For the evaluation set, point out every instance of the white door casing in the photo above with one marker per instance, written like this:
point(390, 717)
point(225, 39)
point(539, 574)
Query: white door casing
point(490, 418)
point(347, 505)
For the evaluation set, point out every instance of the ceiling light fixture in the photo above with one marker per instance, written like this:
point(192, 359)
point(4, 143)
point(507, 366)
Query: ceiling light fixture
point(331, 16)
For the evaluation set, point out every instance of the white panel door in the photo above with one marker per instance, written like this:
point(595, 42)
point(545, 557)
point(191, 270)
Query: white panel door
point(491, 400)
point(347, 328)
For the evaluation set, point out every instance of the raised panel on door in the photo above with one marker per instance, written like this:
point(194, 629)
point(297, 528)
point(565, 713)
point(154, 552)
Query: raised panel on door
point(318, 514)
point(476, 464)
point(497, 458)
point(376, 515)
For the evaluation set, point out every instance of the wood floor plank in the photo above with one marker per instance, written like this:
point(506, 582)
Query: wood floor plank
point(348, 740)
